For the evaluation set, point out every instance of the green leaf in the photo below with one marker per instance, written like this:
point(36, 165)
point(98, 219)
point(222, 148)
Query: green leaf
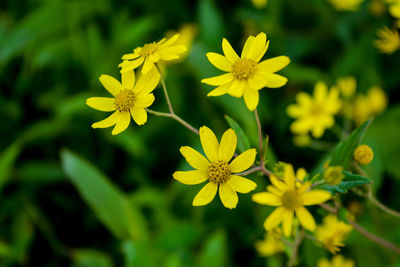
point(90, 258)
point(214, 252)
point(108, 203)
point(243, 141)
point(343, 153)
point(7, 159)
point(349, 181)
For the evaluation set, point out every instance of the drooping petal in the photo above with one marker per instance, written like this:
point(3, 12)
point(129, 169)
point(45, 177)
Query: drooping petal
point(315, 197)
point(219, 80)
point(241, 184)
point(219, 61)
point(287, 223)
point(128, 79)
point(190, 177)
point(275, 80)
point(306, 219)
point(228, 51)
point(130, 65)
point(144, 101)
point(274, 219)
point(205, 195)
point(139, 115)
point(194, 158)
point(243, 161)
point(147, 82)
point(148, 65)
point(266, 198)
point(228, 196)
point(227, 146)
point(274, 64)
point(123, 121)
point(107, 122)
point(101, 103)
point(209, 142)
point(220, 90)
point(251, 98)
point(237, 88)
point(111, 84)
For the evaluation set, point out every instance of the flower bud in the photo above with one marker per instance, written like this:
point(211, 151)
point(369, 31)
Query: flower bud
point(363, 154)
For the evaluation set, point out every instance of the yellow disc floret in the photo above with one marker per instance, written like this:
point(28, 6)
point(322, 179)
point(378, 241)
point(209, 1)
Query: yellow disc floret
point(363, 154)
point(148, 49)
point(124, 100)
point(244, 68)
point(291, 200)
point(219, 171)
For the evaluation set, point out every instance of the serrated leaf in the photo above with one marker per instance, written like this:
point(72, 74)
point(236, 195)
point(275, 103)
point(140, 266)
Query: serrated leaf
point(243, 141)
point(343, 153)
point(349, 181)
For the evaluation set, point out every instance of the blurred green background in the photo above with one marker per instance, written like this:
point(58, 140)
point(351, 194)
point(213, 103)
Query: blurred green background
point(74, 196)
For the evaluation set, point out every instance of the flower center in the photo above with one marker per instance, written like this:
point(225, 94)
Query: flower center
point(316, 110)
point(124, 100)
point(149, 49)
point(291, 200)
point(218, 172)
point(243, 68)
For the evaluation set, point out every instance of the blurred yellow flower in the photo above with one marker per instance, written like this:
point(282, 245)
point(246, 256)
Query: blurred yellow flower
point(290, 199)
point(259, 4)
point(332, 232)
point(333, 175)
point(347, 86)
point(337, 261)
point(315, 114)
point(363, 154)
point(302, 140)
point(346, 5)
point(246, 75)
point(187, 33)
point(394, 8)
point(130, 99)
point(217, 169)
point(389, 40)
point(272, 243)
point(152, 53)
point(370, 105)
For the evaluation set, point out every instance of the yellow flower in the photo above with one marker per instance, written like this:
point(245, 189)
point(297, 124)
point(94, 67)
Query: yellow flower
point(370, 105)
point(259, 4)
point(290, 199)
point(217, 169)
point(332, 232)
point(152, 53)
point(272, 243)
point(389, 40)
point(333, 175)
point(246, 75)
point(394, 8)
point(363, 154)
point(347, 86)
point(130, 99)
point(315, 114)
point(302, 140)
point(187, 34)
point(346, 5)
point(337, 261)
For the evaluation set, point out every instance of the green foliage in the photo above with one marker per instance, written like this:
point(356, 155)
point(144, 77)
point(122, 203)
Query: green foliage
point(243, 142)
point(349, 181)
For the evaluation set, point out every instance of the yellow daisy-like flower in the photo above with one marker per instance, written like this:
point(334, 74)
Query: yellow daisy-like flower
point(337, 261)
point(130, 99)
point(272, 243)
point(370, 105)
point(394, 8)
point(246, 75)
point(151, 53)
point(217, 169)
point(347, 86)
point(346, 5)
point(315, 114)
point(332, 232)
point(389, 40)
point(289, 200)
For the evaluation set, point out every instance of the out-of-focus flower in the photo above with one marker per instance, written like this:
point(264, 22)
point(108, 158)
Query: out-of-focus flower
point(149, 54)
point(333, 175)
point(130, 99)
point(389, 40)
point(363, 154)
point(315, 114)
point(217, 169)
point(259, 4)
point(246, 75)
point(347, 86)
point(289, 200)
point(187, 33)
point(370, 105)
point(332, 233)
point(302, 140)
point(272, 243)
point(394, 8)
point(377, 7)
point(337, 261)
point(346, 5)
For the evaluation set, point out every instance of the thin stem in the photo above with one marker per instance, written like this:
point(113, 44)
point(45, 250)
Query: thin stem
point(250, 171)
point(171, 110)
point(293, 258)
point(174, 117)
point(260, 141)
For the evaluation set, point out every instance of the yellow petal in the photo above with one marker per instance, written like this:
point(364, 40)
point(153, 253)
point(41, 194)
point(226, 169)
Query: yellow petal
point(247, 46)
point(257, 81)
point(154, 57)
point(130, 65)
point(148, 65)
point(315, 197)
point(257, 49)
point(228, 196)
point(287, 223)
point(220, 90)
point(275, 80)
point(228, 145)
point(205, 195)
point(219, 80)
point(289, 176)
point(219, 61)
point(144, 101)
point(277, 183)
point(194, 158)
point(101, 103)
point(128, 79)
point(172, 51)
point(190, 177)
point(130, 56)
point(251, 98)
point(209, 142)
point(111, 84)
point(147, 82)
point(274, 64)
point(241, 184)
point(301, 173)
point(122, 122)
point(320, 91)
point(243, 161)
point(274, 219)
point(266, 198)
point(237, 88)
point(107, 122)
point(139, 115)
point(170, 41)
point(306, 219)
point(274, 190)
point(228, 51)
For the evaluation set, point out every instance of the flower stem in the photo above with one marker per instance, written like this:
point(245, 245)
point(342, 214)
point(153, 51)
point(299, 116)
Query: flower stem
point(174, 117)
point(171, 110)
point(296, 244)
point(260, 141)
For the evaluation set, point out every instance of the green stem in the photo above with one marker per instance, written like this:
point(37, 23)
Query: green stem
point(174, 117)
point(171, 110)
